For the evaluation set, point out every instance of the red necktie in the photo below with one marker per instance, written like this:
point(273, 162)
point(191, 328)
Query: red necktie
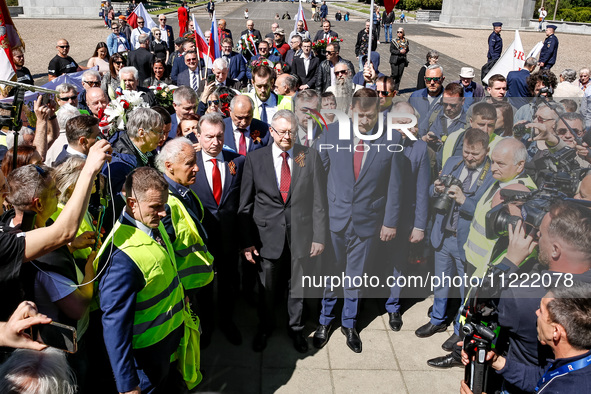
point(242, 143)
point(216, 179)
point(285, 177)
point(358, 158)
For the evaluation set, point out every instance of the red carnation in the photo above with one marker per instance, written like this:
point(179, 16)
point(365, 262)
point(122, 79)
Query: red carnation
point(159, 88)
point(125, 104)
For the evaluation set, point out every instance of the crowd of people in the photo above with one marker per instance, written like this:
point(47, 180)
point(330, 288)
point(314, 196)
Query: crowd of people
point(231, 178)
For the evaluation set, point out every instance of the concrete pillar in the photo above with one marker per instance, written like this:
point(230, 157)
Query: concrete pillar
point(482, 13)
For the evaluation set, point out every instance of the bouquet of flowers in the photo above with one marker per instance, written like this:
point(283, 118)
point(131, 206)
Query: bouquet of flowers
point(115, 114)
point(320, 45)
point(163, 94)
point(226, 95)
point(247, 45)
point(261, 62)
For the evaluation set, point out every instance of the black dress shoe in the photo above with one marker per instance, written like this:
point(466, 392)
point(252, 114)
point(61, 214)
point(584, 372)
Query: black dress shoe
point(395, 321)
point(429, 329)
point(300, 343)
point(430, 311)
point(260, 341)
point(353, 340)
point(448, 345)
point(444, 362)
point(232, 333)
point(321, 336)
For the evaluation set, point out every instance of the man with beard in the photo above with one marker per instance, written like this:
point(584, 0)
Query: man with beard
point(236, 63)
point(300, 31)
point(266, 102)
point(326, 71)
point(279, 42)
point(343, 89)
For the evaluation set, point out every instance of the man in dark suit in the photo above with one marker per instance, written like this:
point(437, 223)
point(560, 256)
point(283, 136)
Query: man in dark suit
point(427, 101)
point(304, 103)
point(282, 193)
point(191, 76)
point(220, 70)
point(236, 63)
point(179, 64)
point(142, 58)
point(167, 33)
point(451, 228)
point(364, 197)
point(325, 33)
point(252, 31)
point(517, 83)
point(305, 66)
point(413, 220)
point(243, 133)
point(218, 187)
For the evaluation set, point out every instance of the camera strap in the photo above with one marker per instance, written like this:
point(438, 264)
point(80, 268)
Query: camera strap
point(565, 369)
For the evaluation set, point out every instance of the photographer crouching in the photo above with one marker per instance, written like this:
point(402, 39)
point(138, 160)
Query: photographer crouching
point(563, 241)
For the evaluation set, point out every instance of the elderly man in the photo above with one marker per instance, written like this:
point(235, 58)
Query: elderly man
point(184, 101)
point(326, 70)
point(223, 32)
point(274, 27)
point(305, 101)
point(295, 51)
point(90, 79)
point(250, 30)
point(266, 102)
point(236, 63)
point(266, 192)
point(166, 33)
point(68, 94)
point(243, 132)
point(220, 70)
point(305, 66)
point(300, 31)
point(139, 30)
point(517, 83)
point(184, 213)
point(286, 85)
point(567, 88)
point(343, 88)
point(362, 43)
point(325, 33)
point(549, 49)
point(129, 81)
point(576, 123)
point(142, 58)
point(279, 42)
point(426, 101)
point(96, 100)
point(473, 92)
point(62, 63)
point(141, 285)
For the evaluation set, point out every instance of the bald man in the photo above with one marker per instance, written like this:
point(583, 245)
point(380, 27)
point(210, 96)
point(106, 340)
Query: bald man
point(243, 133)
point(62, 63)
point(96, 100)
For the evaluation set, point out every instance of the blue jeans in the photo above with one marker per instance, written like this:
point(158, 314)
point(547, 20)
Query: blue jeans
point(388, 32)
point(448, 263)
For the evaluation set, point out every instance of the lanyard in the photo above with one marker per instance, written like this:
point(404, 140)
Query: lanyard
point(549, 376)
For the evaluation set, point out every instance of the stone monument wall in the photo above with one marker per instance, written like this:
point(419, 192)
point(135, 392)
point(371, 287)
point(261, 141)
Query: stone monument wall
point(482, 13)
point(60, 9)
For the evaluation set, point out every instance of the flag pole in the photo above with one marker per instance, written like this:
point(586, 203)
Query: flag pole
point(196, 42)
point(370, 32)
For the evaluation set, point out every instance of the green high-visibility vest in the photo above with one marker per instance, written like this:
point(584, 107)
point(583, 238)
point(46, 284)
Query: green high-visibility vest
point(159, 305)
point(85, 225)
point(283, 102)
point(193, 261)
point(478, 248)
point(449, 145)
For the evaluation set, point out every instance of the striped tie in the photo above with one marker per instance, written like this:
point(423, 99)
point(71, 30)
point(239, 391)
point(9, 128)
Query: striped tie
point(194, 84)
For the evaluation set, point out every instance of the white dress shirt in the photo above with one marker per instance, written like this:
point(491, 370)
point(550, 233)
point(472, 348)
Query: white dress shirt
point(237, 137)
point(208, 164)
point(142, 227)
point(278, 162)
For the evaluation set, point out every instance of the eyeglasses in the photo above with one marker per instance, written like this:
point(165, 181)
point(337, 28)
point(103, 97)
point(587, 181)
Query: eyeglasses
point(434, 79)
point(119, 63)
point(213, 102)
point(539, 119)
point(282, 133)
point(563, 131)
point(330, 52)
point(92, 83)
point(451, 105)
point(68, 98)
point(399, 32)
point(342, 72)
point(191, 60)
point(63, 46)
point(383, 92)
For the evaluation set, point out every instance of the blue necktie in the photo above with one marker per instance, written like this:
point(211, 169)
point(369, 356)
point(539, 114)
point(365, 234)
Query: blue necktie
point(264, 112)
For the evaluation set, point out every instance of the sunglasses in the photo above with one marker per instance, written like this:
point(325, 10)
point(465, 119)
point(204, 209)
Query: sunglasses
point(140, 23)
point(330, 52)
point(383, 92)
point(68, 98)
point(399, 32)
point(562, 131)
point(191, 60)
point(119, 63)
point(452, 105)
point(213, 102)
point(434, 79)
point(92, 83)
point(342, 72)
point(63, 46)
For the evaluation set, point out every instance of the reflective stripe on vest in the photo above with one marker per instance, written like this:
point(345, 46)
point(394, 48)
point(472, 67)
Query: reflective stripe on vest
point(3, 140)
point(85, 225)
point(449, 145)
point(478, 248)
point(159, 305)
point(193, 261)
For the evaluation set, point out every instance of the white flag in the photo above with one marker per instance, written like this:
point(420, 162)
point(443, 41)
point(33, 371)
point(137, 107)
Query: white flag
point(535, 52)
point(512, 60)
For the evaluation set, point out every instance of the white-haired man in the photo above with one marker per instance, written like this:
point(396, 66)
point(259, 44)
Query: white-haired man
point(129, 78)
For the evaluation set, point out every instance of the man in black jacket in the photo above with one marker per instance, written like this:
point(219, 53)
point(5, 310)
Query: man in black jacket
point(363, 42)
point(142, 58)
point(306, 65)
point(324, 77)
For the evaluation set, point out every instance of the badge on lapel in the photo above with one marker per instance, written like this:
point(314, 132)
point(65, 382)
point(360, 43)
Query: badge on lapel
point(256, 136)
point(300, 159)
point(232, 168)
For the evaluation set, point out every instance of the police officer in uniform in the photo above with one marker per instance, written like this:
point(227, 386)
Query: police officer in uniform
point(495, 48)
point(549, 49)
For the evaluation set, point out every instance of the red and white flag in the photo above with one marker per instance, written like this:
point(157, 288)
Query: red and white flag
point(9, 39)
point(140, 10)
point(214, 39)
point(202, 45)
point(300, 17)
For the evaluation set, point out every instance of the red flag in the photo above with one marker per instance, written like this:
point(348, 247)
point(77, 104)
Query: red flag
point(132, 20)
point(390, 4)
point(9, 39)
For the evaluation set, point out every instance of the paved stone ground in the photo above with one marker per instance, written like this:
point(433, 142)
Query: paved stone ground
point(390, 362)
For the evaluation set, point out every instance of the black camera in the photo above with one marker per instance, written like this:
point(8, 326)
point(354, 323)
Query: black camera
point(559, 171)
point(519, 130)
point(443, 203)
point(533, 211)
